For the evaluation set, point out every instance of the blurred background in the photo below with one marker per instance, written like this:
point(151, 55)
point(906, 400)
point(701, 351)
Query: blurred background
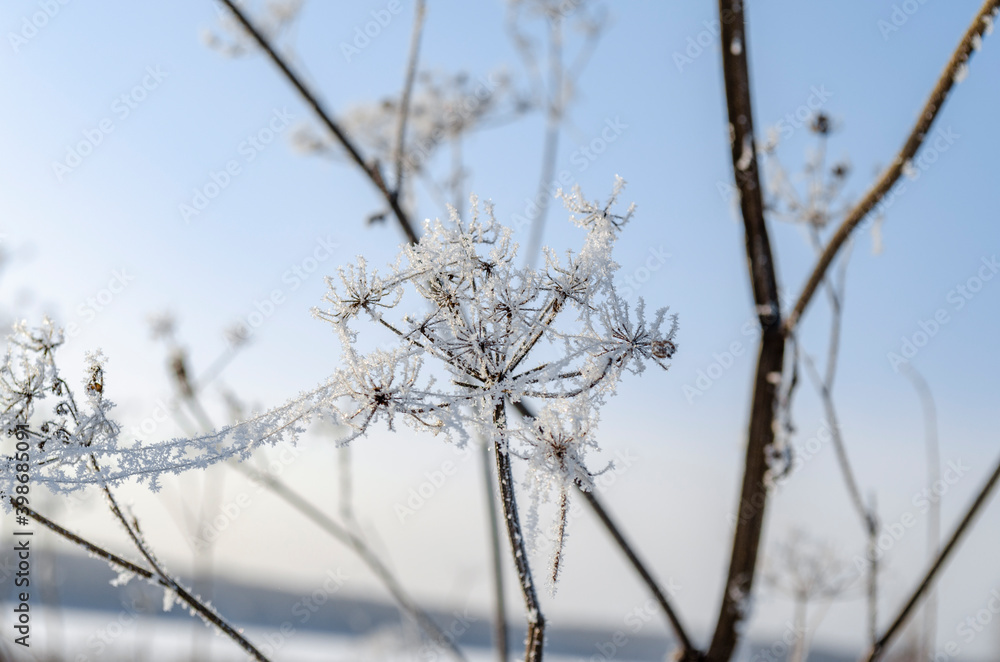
point(166, 196)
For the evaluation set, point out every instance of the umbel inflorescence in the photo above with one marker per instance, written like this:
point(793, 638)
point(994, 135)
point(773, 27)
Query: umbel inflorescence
point(498, 333)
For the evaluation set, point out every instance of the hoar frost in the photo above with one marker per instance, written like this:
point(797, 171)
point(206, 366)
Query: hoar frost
point(561, 334)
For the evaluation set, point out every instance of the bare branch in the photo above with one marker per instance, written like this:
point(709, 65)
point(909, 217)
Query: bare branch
point(891, 175)
point(372, 171)
point(770, 362)
point(928, 579)
point(404, 104)
point(205, 612)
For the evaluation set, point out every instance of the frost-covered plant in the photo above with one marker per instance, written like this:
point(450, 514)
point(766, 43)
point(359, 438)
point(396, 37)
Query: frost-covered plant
point(501, 333)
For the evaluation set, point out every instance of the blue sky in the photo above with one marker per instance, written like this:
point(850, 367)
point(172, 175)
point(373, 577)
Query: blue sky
point(117, 215)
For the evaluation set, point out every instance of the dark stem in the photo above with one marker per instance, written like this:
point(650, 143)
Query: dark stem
point(505, 478)
point(499, 606)
point(327, 120)
point(770, 363)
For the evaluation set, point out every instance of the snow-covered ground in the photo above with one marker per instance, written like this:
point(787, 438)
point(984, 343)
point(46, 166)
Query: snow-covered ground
point(98, 636)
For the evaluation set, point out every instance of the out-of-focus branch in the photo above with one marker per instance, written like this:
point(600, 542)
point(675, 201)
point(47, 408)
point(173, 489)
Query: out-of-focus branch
point(371, 170)
point(927, 581)
point(980, 24)
point(404, 104)
point(770, 362)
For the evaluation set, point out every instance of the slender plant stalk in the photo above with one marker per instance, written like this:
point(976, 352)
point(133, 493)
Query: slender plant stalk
point(505, 477)
point(927, 581)
point(371, 170)
point(770, 361)
point(499, 603)
point(404, 102)
point(688, 652)
point(554, 112)
point(929, 633)
point(207, 613)
point(889, 177)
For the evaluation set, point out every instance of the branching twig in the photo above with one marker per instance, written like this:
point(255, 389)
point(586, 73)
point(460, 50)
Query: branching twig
point(204, 611)
point(891, 175)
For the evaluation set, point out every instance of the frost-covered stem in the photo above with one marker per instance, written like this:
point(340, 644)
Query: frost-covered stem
point(364, 552)
point(688, 651)
point(372, 171)
point(927, 581)
point(404, 103)
point(512, 520)
point(499, 604)
point(889, 177)
point(554, 109)
point(770, 363)
point(205, 612)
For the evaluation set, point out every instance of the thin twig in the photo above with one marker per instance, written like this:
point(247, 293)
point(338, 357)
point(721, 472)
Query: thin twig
point(534, 645)
point(928, 579)
point(499, 603)
point(889, 177)
point(554, 108)
point(372, 171)
point(404, 103)
point(688, 651)
point(770, 363)
point(205, 612)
